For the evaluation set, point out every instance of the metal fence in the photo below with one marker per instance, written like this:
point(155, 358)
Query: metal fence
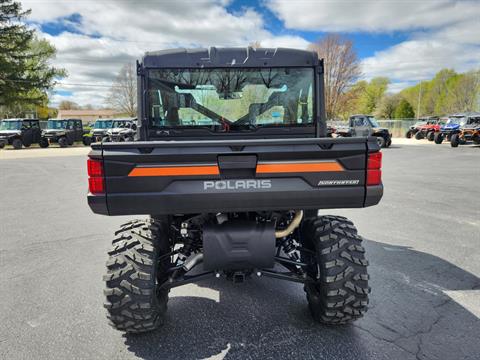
point(397, 127)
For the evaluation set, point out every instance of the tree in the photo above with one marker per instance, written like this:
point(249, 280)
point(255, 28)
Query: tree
point(448, 92)
point(68, 105)
point(342, 68)
point(404, 110)
point(123, 93)
point(45, 112)
point(349, 102)
point(464, 93)
point(387, 106)
point(372, 94)
point(25, 73)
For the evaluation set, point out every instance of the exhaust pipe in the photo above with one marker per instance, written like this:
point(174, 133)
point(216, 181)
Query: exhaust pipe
point(297, 219)
point(193, 260)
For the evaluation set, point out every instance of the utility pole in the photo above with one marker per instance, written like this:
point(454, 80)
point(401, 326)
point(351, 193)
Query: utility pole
point(419, 100)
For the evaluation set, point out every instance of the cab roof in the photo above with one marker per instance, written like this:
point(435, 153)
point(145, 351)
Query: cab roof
point(230, 58)
point(19, 119)
point(66, 119)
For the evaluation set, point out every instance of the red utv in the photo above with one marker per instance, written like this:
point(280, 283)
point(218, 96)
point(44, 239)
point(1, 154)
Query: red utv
point(425, 128)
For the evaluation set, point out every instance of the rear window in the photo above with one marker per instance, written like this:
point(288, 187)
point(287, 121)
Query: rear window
point(230, 99)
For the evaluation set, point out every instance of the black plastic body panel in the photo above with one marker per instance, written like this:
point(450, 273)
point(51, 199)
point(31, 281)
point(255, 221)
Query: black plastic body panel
point(238, 185)
point(229, 57)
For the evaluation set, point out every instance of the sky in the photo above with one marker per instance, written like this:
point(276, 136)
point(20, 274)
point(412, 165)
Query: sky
point(405, 40)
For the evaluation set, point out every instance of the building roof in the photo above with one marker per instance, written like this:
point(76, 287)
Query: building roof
point(229, 57)
point(102, 112)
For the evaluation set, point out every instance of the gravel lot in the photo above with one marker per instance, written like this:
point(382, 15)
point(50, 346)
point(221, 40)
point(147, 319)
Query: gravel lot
point(423, 243)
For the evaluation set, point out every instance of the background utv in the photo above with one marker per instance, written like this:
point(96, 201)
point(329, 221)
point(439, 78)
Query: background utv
point(232, 164)
point(366, 125)
point(19, 132)
point(64, 132)
point(121, 130)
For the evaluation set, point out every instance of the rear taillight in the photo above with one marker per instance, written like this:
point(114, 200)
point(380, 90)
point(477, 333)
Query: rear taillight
point(96, 184)
point(374, 169)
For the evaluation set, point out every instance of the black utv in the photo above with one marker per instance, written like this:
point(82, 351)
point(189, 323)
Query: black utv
point(232, 163)
point(366, 125)
point(64, 132)
point(19, 132)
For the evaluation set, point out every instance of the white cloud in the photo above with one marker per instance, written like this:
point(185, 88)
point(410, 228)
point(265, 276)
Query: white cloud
point(285, 41)
point(425, 54)
point(91, 65)
point(396, 87)
point(371, 16)
point(444, 33)
point(112, 33)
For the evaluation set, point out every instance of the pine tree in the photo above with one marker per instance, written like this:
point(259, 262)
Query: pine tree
point(25, 75)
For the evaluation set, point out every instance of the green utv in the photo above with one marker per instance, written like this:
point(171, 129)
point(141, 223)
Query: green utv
point(19, 132)
point(64, 132)
point(232, 163)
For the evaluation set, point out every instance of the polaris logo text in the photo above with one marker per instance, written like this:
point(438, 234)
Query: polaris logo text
point(237, 184)
point(338, 182)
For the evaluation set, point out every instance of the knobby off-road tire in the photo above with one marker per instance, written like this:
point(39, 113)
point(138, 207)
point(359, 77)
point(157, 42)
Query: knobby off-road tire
point(135, 303)
point(63, 142)
point(87, 140)
point(419, 135)
point(438, 138)
point(17, 144)
point(455, 140)
point(340, 293)
point(431, 136)
point(408, 134)
point(44, 143)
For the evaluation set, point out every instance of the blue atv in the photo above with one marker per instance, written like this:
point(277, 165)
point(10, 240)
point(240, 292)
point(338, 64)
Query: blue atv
point(451, 127)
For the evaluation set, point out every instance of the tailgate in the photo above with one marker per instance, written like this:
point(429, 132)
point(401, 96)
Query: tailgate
point(181, 177)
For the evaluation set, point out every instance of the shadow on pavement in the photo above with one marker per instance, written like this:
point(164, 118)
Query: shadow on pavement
point(411, 316)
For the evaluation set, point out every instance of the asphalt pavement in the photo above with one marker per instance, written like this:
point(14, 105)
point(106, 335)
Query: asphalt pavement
point(423, 243)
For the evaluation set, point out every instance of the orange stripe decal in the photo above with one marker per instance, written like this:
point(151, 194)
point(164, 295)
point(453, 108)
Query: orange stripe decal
point(175, 171)
point(299, 167)
point(266, 168)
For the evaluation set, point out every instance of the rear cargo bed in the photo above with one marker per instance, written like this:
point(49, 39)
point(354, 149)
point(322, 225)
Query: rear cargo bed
point(183, 177)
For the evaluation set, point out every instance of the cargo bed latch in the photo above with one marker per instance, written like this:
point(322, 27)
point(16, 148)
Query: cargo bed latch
point(237, 166)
